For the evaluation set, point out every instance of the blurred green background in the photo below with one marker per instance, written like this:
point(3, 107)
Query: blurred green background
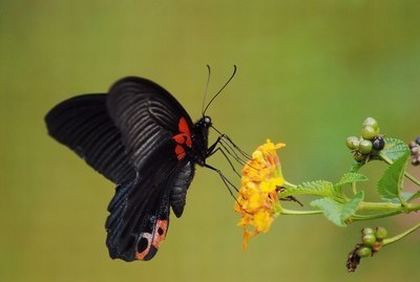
point(309, 73)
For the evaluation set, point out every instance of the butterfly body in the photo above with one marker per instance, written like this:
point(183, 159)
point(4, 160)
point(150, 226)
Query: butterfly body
point(138, 136)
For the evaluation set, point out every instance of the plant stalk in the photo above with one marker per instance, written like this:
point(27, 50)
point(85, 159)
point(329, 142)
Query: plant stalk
point(402, 235)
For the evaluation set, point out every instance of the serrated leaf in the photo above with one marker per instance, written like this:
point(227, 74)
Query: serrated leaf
point(389, 186)
point(331, 209)
point(394, 148)
point(355, 167)
point(316, 188)
point(351, 177)
point(350, 207)
point(336, 212)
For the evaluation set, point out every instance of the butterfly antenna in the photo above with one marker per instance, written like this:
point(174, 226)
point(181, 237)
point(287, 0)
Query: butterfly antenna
point(221, 89)
point(207, 88)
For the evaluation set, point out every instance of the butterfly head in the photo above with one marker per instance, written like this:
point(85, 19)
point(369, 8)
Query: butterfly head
point(205, 122)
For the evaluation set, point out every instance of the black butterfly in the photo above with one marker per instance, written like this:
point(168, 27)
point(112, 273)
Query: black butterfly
point(141, 138)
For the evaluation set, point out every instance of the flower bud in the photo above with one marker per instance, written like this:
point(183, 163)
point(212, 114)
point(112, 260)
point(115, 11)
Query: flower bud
point(376, 247)
point(412, 144)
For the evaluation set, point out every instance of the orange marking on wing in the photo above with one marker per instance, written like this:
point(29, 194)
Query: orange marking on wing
point(159, 233)
point(140, 256)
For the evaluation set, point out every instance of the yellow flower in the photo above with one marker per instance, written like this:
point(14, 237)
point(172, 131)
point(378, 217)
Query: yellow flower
point(258, 201)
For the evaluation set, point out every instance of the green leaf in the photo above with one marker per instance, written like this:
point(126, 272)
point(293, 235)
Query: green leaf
point(390, 185)
point(350, 207)
point(394, 148)
point(351, 177)
point(316, 188)
point(337, 212)
point(332, 210)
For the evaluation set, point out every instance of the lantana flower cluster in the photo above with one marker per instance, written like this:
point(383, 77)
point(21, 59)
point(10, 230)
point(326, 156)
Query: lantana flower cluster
point(258, 201)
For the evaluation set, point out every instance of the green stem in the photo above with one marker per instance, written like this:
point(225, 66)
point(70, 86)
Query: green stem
point(389, 209)
point(374, 206)
point(353, 187)
point(295, 212)
point(359, 217)
point(402, 235)
point(288, 184)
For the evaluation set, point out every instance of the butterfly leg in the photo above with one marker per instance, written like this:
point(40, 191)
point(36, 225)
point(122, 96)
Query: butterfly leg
point(225, 180)
point(226, 149)
point(243, 153)
point(220, 149)
point(229, 141)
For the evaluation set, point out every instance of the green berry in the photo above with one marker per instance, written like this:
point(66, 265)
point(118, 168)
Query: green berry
point(367, 230)
point(371, 122)
point(369, 239)
point(364, 252)
point(368, 132)
point(352, 142)
point(365, 147)
point(381, 233)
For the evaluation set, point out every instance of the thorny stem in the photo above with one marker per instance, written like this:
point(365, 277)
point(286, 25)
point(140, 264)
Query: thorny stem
point(402, 235)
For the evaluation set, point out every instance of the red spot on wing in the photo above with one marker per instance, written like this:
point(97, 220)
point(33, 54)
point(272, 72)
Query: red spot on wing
point(183, 126)
point(180, 152)
point(182, 138)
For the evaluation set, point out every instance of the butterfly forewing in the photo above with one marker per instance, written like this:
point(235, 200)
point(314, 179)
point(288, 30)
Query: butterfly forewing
point(146, 114)
point(83, 124)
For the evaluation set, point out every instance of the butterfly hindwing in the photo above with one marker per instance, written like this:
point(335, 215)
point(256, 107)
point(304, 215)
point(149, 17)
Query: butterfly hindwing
point(139, 212)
